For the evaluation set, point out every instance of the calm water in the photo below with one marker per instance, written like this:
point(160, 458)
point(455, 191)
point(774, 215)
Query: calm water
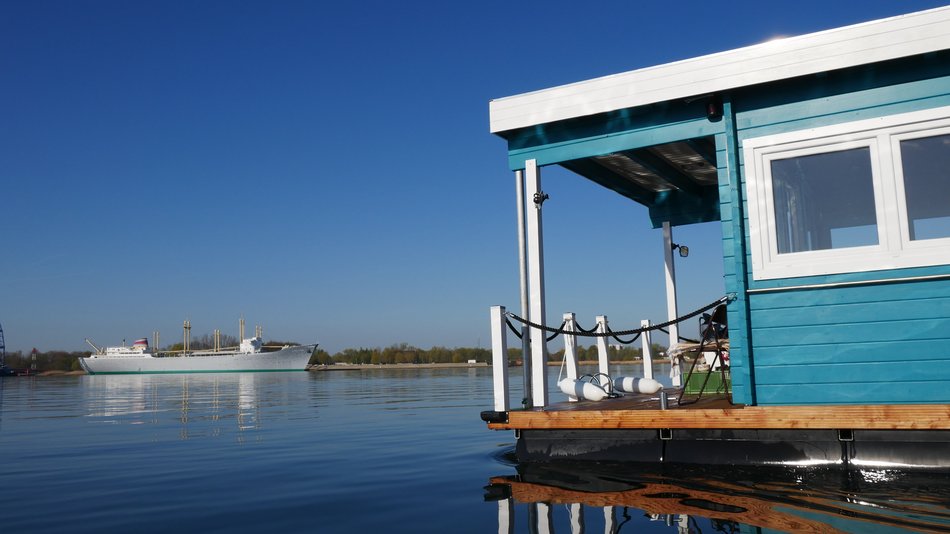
point(371, 451)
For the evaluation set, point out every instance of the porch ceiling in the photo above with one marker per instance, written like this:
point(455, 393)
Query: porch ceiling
point(663, 167)
point(650, 175)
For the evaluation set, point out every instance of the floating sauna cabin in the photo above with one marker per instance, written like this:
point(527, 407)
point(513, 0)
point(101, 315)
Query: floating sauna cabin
point(826, 159)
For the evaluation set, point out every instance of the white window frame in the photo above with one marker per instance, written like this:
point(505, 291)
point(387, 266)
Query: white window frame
point(882, 136)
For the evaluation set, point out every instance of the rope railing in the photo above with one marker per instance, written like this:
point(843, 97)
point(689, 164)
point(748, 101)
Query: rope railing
point(560, 330)
point(622, 342)
point(592, 333)
point(512, 327)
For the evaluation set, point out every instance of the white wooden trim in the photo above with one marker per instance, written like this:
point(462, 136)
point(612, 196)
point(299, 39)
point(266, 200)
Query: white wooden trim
point(860, 44)
point(894, 249)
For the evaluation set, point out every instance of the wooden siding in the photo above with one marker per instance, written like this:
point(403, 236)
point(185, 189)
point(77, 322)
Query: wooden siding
point(864, 344)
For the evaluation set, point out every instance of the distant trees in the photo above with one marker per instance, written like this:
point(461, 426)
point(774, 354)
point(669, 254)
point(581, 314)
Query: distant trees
point(54, 360)
point(405, 353)
point(320, 357)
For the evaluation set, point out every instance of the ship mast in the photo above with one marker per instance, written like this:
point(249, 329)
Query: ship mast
point(186, 343)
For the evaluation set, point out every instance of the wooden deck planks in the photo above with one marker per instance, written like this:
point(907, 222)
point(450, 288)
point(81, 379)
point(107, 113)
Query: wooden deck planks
point(853, 417)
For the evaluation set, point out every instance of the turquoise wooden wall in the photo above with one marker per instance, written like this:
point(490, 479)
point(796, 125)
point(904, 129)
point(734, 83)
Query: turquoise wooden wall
point(864, 344)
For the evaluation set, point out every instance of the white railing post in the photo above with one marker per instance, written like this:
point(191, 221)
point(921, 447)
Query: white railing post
point(676, 372)
point(577, 518)
point(506, 516)
point(603, 356)
point(570, 350)
point(499, 358)
point(647, 355)
point(539, 514)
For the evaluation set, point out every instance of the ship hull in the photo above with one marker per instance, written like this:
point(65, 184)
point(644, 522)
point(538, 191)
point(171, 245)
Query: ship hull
point(288, 359)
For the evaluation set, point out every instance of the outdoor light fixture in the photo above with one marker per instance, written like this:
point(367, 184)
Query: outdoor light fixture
point(714, 108)
point(684, 250)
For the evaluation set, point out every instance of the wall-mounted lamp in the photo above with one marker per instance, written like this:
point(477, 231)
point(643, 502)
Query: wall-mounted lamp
point(684, 250)
point(714, 108)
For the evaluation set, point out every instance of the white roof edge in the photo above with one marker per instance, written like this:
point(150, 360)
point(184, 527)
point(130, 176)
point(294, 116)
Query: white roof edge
point(859, 44)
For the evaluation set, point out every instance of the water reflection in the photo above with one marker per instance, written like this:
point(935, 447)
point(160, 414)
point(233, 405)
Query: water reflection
point(197, 404)
point(596, 497)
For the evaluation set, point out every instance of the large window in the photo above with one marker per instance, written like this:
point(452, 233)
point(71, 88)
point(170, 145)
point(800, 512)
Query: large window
point(926, 168)
point(852, 197)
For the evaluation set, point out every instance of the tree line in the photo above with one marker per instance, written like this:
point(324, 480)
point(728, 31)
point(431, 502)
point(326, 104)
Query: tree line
point(402, 353)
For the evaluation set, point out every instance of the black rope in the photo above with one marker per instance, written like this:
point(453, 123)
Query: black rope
point(586, 331)
point(622, 342)
point(512, 327)
point(560, 329)
point(723, 300)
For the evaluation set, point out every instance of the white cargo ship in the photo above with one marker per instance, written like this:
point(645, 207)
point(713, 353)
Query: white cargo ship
point(249, 356)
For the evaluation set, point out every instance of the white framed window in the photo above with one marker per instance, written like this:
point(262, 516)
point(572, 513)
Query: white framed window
point(853, 197)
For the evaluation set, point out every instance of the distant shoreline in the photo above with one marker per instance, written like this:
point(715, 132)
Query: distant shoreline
point(371, 366)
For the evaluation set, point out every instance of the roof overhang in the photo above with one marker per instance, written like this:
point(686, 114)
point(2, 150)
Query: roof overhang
point(839, 48)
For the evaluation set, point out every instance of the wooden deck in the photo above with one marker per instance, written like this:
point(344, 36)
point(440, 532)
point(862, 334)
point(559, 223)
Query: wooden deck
point(642, 412)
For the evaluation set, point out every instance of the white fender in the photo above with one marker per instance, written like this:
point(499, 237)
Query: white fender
point(633, 384)
point(581, 389)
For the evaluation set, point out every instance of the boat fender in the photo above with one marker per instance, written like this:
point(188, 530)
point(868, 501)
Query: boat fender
point(581, 389)
point(633, 384)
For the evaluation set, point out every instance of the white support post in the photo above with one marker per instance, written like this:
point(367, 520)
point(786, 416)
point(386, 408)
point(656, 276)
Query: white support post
point(577, 518)
point(603, 356)
point(647, 355)
point(671, 310)
point(570, 350)
point(523, 276)
point(499, 358)
point(535, 261)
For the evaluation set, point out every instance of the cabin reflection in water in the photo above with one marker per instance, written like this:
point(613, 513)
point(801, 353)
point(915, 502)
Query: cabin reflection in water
point(585, 497)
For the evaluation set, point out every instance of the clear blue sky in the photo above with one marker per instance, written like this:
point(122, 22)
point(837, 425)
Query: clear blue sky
point(324, 169)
